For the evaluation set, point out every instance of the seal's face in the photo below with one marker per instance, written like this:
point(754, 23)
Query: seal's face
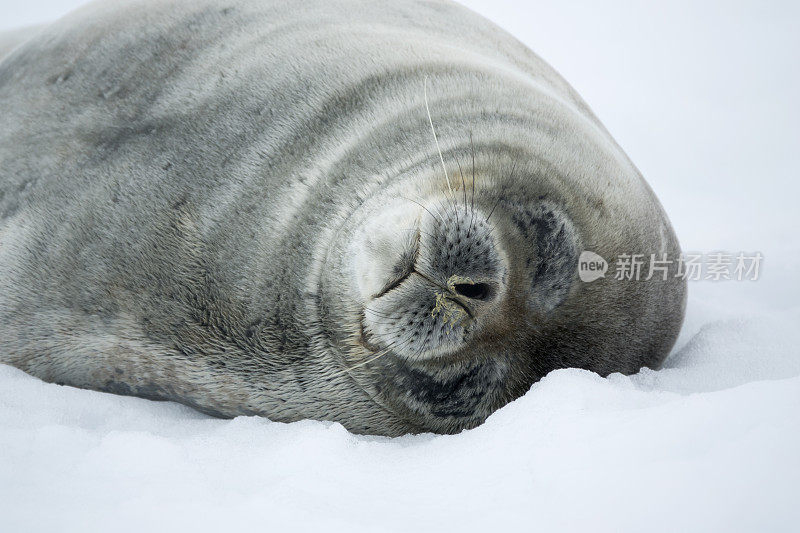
point(436, 283)
point(452, 291)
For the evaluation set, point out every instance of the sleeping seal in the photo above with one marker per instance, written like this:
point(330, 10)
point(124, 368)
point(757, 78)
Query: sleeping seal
point(345, 210)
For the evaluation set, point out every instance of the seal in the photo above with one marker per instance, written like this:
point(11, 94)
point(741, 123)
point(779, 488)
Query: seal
point(352, 211)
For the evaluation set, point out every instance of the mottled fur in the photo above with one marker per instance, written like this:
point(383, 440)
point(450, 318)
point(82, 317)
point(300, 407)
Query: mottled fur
point(201, 201)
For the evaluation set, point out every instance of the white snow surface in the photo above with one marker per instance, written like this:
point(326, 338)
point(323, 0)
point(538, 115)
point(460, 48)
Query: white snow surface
point(703, 97)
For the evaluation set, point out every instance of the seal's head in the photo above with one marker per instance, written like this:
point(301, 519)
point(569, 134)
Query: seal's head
point(457, 300)
point(445, 295)
point(450, 305)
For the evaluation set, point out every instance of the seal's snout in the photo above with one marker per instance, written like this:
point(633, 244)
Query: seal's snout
point(434, 287)
point(459, 251)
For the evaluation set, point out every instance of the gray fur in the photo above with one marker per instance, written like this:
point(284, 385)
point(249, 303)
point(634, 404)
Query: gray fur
point(13, 38)
point(239, 205)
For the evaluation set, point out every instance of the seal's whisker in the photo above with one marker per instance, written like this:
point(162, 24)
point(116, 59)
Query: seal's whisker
point(385, 323)
point(430, 236)
point(416, 230)
point(463, 183)
point(448, 204)
point(347, 370)
point(378, 313)
point(464, 186)
point(435, 138)
point(511, 177)
point(423, 207)
point(390, 347)
point(493, 208)
point(472, 200)
point(443, 207)
point(472, 148)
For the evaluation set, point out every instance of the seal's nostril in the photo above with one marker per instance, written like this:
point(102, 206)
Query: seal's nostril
point(476, 291)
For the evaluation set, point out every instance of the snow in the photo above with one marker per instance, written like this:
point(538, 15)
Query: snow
point(703, 99)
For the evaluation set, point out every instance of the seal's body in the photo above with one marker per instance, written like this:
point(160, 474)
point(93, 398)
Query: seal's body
point(241, 205)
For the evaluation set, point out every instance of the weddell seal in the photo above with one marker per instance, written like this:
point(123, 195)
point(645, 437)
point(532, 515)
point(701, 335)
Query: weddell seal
point(344, 210)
